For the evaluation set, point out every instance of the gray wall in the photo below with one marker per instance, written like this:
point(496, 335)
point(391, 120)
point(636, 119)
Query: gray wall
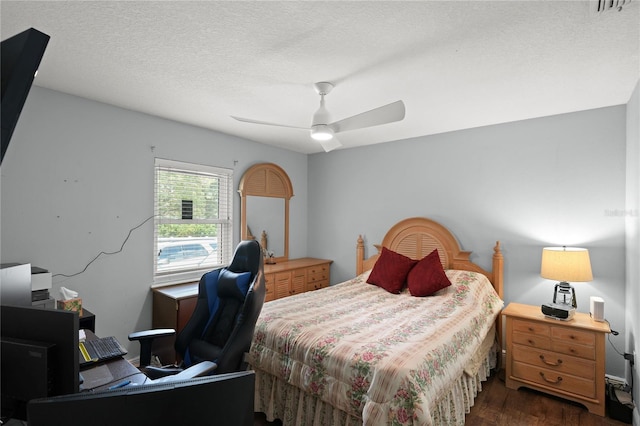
point(78, 175)
point(550, 181)
point(632, 217)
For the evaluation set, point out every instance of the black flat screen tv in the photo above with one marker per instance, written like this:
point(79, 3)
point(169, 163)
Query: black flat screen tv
point(21, 56)
point(220, 400)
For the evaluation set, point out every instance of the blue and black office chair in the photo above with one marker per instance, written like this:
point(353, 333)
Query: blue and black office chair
point(221, 327)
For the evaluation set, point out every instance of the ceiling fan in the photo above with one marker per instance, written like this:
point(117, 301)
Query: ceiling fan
point(323, 130)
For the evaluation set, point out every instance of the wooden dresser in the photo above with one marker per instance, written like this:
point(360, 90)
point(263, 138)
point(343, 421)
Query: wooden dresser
point(562, 358)
point(296, 276)
point(173, 305)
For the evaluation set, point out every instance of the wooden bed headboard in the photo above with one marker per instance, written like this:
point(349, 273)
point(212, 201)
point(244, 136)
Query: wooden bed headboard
point(416, 237)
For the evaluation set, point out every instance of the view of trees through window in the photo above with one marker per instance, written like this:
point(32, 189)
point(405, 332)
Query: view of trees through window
point(193, 217)
point(173, 189)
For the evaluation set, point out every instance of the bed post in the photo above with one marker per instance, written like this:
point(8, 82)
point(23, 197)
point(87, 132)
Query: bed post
point(497, 270)
point(498, 276)
point(359, 255)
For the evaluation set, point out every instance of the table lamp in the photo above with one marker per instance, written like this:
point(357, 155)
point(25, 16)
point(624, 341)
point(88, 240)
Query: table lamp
point(565, 264)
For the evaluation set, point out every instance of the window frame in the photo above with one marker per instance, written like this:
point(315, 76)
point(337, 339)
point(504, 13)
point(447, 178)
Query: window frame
point(225, 224)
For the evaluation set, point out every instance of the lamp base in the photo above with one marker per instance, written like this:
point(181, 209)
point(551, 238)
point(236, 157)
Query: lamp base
point(558, 311)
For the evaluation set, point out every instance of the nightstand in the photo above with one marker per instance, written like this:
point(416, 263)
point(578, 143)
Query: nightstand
point(562, 358)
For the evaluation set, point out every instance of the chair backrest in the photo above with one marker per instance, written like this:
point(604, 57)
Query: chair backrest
point(222, 324)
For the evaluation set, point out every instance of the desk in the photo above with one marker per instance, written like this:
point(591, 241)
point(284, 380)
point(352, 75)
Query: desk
point(103, 375)
point(172, 308)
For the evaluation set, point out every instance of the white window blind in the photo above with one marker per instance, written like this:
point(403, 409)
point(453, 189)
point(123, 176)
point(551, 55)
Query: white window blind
point(193, 220)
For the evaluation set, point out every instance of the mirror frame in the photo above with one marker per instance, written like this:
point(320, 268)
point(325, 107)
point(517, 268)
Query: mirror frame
point(266, 180)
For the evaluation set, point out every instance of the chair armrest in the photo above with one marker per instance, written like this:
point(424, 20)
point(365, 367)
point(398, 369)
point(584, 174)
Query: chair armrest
point(146, 339)
point(203, 368)
point(158, 372)
point(151, 334)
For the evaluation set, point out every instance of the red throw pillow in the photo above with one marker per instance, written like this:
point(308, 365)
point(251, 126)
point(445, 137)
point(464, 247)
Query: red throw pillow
point(427, 276)
point(390, 271)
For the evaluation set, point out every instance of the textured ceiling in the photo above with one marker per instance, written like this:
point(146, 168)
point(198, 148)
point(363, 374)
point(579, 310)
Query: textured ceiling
point(455, 64)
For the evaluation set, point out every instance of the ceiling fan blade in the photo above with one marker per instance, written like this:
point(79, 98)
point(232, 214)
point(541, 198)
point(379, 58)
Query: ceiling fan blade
point(385, 114)
point(331, 144)
point(266, 123)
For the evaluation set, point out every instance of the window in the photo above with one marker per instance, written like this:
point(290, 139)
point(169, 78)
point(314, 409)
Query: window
point(193, 223)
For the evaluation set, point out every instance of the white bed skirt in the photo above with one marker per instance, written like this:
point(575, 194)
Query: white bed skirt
point(279, 400)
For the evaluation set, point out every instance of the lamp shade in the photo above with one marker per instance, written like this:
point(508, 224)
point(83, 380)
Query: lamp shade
point(566, 264)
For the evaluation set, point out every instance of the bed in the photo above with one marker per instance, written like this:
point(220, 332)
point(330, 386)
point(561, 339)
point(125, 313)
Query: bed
point(357, 354)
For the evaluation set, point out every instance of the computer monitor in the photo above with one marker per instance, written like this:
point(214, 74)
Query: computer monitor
point(221, 400)
point(53, 333)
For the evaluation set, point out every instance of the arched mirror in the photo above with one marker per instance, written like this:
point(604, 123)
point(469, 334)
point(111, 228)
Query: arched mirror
point(265, 190)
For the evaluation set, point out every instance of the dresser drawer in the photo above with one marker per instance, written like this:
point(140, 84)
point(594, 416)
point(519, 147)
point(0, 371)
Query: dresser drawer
point(587, 352)
point(318, 272)
point(555, 380)
point(575, 336)
point(317, 277)
point(536, 341)
point(530, 327)
point(561, 363)
point(317, 285)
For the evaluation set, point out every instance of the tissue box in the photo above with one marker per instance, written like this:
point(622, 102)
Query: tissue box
point(71, 305)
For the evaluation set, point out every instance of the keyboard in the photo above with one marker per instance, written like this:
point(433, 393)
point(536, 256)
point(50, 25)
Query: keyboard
point(102, 349)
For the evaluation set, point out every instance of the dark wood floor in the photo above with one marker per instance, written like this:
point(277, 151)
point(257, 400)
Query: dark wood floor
point(497, 405)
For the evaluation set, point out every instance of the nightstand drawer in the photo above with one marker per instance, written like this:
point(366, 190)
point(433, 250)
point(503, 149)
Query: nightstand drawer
point(572, 335)
point(587, 352)
point(530, 327)
point(555, 380)
point(557, 362)
point(533, 340)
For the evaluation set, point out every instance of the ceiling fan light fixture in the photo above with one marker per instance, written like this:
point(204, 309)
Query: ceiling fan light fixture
point(323, 128)
point(321, 132)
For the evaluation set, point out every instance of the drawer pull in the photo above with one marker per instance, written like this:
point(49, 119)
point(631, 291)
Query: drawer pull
point(555, 382)
point(531, 342)
point(553, 364)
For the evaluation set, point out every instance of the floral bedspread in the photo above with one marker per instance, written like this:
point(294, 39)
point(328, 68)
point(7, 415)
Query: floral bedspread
point(381, 357)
